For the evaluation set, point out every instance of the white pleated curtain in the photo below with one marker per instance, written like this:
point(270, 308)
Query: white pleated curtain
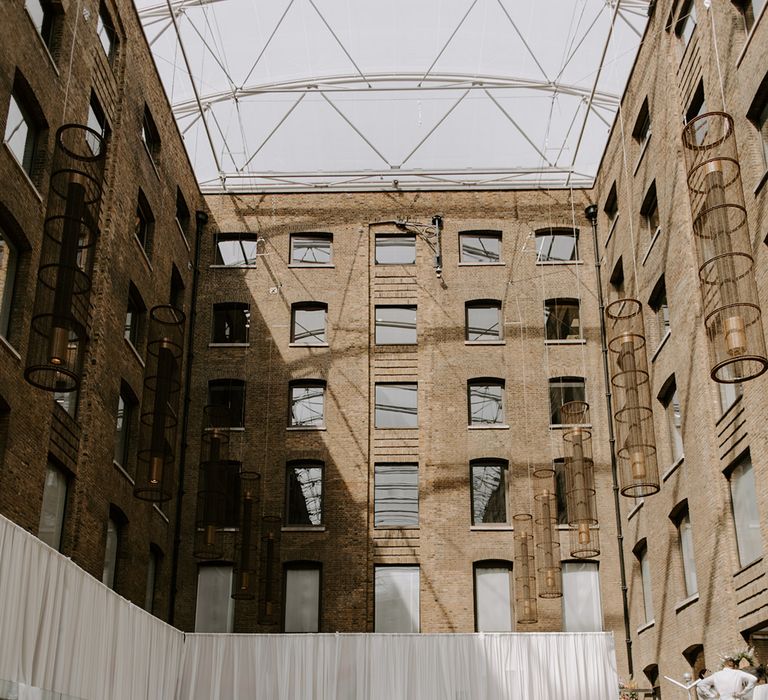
point(66, 636)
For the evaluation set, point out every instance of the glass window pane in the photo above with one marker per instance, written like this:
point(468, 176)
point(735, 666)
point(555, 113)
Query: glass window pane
point(106, 33)
point(36, 12)
point(486, 404)
point(396, 495)
point(728, 395)
point(302, 600)
point(97, 122)
point(122, 430)
point(560, 492)
point(236, 250)
point(686, 550)
point(149, 593)
point(395, 250)
point(231, 323)
point(54, 503)
point(674, 423)
point(480, 247)
point(8, 259)
point(556, 247)
point(562, 319)
point(493, 599)
point(229, 393)
point(395, 325)
point(110, 554)
point(489, 499)
point(19, 136)
point(582, 610)
point(214, 609)
point(307, 249)
point(745, 513)
point(309, 326)
point(645, 573)
point(305, 495)
point(562, 391)
point(483, 322)
point(396, 599)
point(307, 405)
point(396, 406)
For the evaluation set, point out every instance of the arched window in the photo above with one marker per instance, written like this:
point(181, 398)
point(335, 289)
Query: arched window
point(488, 483)
point(561, 319)
point(557, 245)
point(231, 322)
point(307, 402)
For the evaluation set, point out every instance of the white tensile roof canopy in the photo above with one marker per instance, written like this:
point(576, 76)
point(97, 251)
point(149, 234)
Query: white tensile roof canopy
point(314, 95)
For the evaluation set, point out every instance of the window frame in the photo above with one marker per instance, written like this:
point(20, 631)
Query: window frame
point(561, 302)
point(227, 570)
point(681, 519)
point(305, 384)
point(649, 210)
point(377, 403)
point(290, 468)
point(391, 236)
point(317, 236)
point(135, 317)
point(385, 329)
point(378, 617)
point(217, 385)
point(125, 428)
point(486, 304)
point(739, 523)
point(19, 98)
point(8, 292)
point(309, 306)
point(758, 117)
point(473, 384)
point(583, 566)
point(229, 307)
point(481, 235)
point(642, 130)
point(150, 136)
point(183, 217)
point(240, 237)
point(562, 381)
point(667, 397)
point(640, 550)
point(97, 121)
point(48, 23)
point(106, 33)
point(490, 565)
point(302, 565)
point(144, 229)
point(154, 562)
point(406, 523)
point(483, 463)
point(553, 233)
point(61, 504)
point(686, 18)
point(658, 303)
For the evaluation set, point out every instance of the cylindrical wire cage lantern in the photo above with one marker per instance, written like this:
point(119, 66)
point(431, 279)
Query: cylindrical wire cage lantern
point(58, 330)
point(246, 541)
point(580, 481)
point(270, 558)
point(524, 570)
point(160, 405)
point(732, 314)
point(631, 386)
point(548, 568)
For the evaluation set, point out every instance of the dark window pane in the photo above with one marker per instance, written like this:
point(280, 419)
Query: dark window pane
point(395, 250)
point(480, 247)
point(489, 502)
point(305, 491)
point(307, 405)
point(395, 325)
point(229, 393)
point(560, 492)
point(311, 249)
point(396, 406)
point(483, 321)
point(396, 495)
point(231, 323)
point(563, 390)
point(8, 261)
point(562, 319)
point(486, 406)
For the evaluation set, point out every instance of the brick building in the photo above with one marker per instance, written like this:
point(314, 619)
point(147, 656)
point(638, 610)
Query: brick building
point(393, 410)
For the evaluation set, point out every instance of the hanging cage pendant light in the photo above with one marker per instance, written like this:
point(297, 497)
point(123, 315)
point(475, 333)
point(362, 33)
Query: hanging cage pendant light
point(580, 481)
point(732, 314)
point(630, 383)
point(524, 569)
point(548, 568)
point(60, 316)
point(160, 405)
point(246, 549)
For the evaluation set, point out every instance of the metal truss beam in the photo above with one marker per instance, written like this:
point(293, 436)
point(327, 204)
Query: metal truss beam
point(162, 11)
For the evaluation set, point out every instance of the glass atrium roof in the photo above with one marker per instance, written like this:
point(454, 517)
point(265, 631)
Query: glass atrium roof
point(315, 95)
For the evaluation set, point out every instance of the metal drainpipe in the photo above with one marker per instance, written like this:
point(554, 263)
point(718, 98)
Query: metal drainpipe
point(201, 219)
point(591, 213)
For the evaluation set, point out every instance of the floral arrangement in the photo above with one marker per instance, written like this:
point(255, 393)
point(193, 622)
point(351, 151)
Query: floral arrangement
point(628, 690)
point(741, 658)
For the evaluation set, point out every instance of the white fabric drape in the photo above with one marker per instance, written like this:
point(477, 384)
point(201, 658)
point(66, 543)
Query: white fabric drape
point(66, 636)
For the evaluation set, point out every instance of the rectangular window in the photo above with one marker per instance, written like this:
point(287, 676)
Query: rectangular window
point(396, 606)
point(312, 249)
point(660, 308)
point(67, 400)
point(561, 319)
point(229, 393)
point(728, 394)
point(214, 607)
point(480, 247)
point(304, 499)
point(308, 324)
point(489, 493)
point(645, 577)
point(642, 131)
point(395, 325)
point(686, 554)
point(396, 495)
point(54, 504)
point(750, 11)
point(746, 516)
point(561, 491)
point(182, 213)
point(302, 599)
point(686, 22)
point(236, 249)
point(231, 323)
point(150, 135)
point(483, 323)
point(111, 548)
point(44, 16)
point(697, 107)
point(582, 610)
point(649, 210)
point(563, 390)
point(671, 404)
point(486, 402)
point(396, 406)
point(105, 30)
point(145, 223)
point(395, 249)
point(97, 121)
point(307, 404)
point(493, 598)
point(21, 134)
point(134, 318)
point(153, 567)
point(556, 246)
point(8, 261)
point(124, 423)
point(758, 114)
